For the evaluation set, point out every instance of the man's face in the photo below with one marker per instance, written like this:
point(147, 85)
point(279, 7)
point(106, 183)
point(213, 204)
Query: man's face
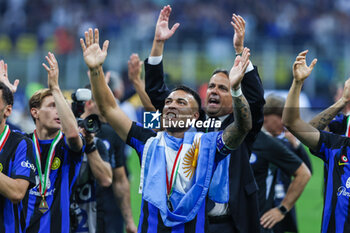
point(218, 100)
point(46, 116)
point(5, 109)
point(273, 124)
point(179, 106)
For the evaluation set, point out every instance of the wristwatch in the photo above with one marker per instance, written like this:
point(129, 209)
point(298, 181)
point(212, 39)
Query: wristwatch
point(283, 209)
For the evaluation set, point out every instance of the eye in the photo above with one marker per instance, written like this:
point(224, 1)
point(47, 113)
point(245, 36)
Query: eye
point(167, 101)
point(211, 86)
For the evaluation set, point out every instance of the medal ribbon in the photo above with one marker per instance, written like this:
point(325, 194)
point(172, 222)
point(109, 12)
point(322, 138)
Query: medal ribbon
point(347, 126)
point(4, 136)
point(169, 187)
point(51, 154)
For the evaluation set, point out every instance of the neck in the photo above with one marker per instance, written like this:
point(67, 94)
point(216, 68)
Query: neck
point(2, 126)
point(177, 134)
point(45, 134)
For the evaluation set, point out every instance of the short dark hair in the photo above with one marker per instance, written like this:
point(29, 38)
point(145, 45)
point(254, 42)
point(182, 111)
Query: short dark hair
point(195, 96)
point(221, 71)
point(7, 95)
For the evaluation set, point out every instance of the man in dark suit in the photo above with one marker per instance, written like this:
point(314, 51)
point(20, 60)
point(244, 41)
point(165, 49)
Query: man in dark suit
point(241, 214)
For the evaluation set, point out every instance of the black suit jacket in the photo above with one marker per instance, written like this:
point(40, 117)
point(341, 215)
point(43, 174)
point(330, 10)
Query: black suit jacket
point(243, 200)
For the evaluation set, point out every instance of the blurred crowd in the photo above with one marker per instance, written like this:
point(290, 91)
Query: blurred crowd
point(296, 21)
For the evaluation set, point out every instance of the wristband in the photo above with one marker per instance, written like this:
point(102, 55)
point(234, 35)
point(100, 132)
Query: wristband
point(236, 93)
point(239, 54)
point(90, 148)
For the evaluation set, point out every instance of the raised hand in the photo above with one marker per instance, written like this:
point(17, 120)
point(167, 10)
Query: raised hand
point(4, 77)
point(300, 70)
point(52, 71)
point(238, 24)
point(162, 27)
point(93, 55)
point(134, 68)
point(238, 69)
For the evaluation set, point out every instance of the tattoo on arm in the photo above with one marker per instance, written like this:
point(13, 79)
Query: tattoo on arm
point(236, 131)
point(323, 122)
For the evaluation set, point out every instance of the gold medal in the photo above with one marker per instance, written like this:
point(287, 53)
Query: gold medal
point(43, 207)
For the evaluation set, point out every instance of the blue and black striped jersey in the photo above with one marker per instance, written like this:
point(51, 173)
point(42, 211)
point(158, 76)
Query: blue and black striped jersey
point(17, 162)
point(334, 150)
point(64, 171)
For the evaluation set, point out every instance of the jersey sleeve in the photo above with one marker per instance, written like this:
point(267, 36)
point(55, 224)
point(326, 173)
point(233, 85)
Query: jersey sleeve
point(23, 164)
point(138, 136)
point(328, 142)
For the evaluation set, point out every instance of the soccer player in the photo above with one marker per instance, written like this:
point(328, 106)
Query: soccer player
point(177, 165)
point(58, 156)
point(16, 164)
point(331, 148)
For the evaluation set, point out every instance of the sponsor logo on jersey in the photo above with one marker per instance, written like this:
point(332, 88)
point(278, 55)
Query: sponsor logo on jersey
point(27, 164)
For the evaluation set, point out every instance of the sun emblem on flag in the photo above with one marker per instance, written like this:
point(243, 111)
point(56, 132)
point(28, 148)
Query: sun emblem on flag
point(190, 159)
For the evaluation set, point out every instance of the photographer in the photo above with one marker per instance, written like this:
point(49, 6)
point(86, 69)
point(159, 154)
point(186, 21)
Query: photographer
point(109, 216)
point(95, 168)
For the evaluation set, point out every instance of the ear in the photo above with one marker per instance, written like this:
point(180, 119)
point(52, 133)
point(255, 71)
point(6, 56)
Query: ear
point(34, 112)
point(196, 115)
point(8, 111)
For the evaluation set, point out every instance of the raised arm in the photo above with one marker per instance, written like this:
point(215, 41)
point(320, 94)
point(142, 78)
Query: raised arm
point(154, 75)
point(235, 133)
point(68, 121)
point(305, 132)
point(94, 57)
point(322, 120)
point(134, 73)
point(252, 87)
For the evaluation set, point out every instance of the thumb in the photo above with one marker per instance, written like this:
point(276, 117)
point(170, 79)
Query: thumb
point(174, 28)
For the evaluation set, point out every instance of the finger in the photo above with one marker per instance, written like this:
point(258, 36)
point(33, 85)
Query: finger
point(105, 46)
point(53, 58)
point(174, 28)
point(49, 61)
point(46, 67)
point(300, 58)
point(87, 39)
point(97, 36)
point(82, 44)
point(298, 63)
point(16, 83)
point(5, 68)
point(312, 65)
point(91, 36)
point(235, 27)
point(241, 20)
point(303, 53)
point(2, 68)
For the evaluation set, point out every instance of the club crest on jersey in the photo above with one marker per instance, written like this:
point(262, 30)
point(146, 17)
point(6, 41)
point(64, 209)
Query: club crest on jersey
point(56, 163)
point(343, 160)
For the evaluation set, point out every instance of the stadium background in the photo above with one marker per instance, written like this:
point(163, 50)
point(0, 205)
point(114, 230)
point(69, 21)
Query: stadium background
point(275, 32)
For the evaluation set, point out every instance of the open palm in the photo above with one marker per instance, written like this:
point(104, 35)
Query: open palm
point(162, 28)
point(300, 69)
point(94, 56)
